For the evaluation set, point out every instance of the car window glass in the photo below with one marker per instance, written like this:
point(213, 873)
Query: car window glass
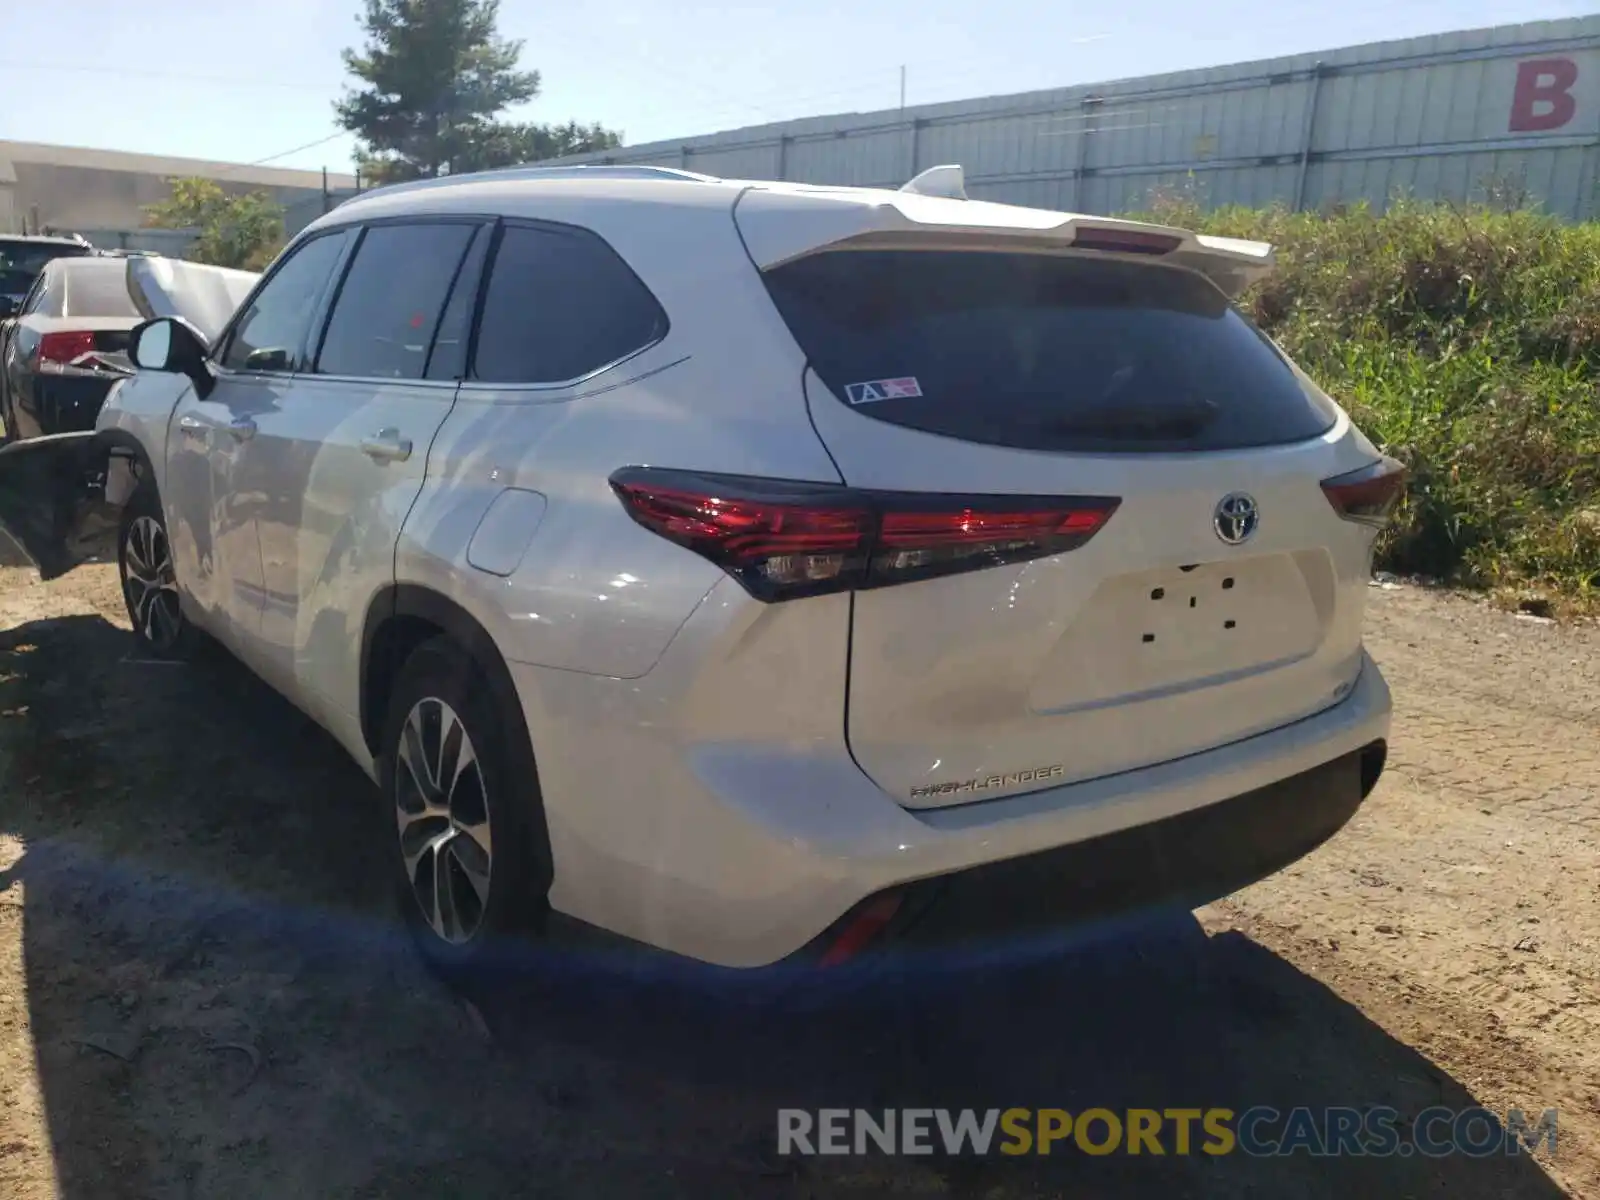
point(560, 305)
point(97, 288)
point(1042, 352)
point(47, 295)
point(31, 257)
point(391, 300)
point(448, 360)
point(269, 335)
point(30, 302)
point(14, 283)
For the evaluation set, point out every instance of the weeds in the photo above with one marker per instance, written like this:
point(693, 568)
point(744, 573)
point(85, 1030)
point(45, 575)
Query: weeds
point(1466, 341)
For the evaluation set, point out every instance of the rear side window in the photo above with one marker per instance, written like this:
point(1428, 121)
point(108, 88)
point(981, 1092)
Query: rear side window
point(389, 305)
point(1042, 352)
point(560, 305)
point(45, 298)
point(96, 288)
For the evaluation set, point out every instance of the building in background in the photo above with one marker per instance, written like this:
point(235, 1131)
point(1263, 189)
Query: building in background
point(1506, 112)
point(102, 194)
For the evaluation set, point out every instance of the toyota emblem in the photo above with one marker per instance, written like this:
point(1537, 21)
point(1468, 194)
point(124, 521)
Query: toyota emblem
point(1235, 518)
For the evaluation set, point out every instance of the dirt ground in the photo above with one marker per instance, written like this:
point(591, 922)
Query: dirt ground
point(200, 993)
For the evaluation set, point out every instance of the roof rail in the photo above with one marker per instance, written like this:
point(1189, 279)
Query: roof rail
point(532, 172)
point(612, 170)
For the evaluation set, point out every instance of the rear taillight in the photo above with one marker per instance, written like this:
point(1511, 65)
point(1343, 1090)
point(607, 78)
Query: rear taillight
point(62, 348)
point(1369, 494)
point(786, 539)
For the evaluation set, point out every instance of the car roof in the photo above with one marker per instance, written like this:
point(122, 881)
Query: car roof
point(645, 185)
point(44, 239)
point(780, 220)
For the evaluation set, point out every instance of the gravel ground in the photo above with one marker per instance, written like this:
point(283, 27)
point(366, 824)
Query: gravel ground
point(200, 993)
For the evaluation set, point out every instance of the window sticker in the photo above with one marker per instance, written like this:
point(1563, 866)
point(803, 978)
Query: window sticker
point(883, 389)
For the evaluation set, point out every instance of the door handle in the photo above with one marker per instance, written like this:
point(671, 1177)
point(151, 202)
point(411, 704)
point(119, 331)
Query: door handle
point(192, 427)
point(386, 446)
point(242, 429)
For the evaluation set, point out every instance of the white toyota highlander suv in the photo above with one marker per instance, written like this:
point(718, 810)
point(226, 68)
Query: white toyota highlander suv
point(760, 571)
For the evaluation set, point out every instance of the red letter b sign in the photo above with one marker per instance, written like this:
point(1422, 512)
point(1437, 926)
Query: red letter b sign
point(1543, 96)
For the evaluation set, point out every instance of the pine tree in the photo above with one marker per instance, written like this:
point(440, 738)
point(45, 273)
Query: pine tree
point(437, 76)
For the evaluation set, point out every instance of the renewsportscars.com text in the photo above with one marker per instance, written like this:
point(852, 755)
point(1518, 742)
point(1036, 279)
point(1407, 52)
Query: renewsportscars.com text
point(1261, 1131)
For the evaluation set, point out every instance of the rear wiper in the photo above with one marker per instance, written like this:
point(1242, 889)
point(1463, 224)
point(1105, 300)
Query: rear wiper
point(1182, 419)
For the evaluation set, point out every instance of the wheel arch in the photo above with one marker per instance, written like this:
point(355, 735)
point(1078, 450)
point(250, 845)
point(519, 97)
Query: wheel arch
point(402, 617)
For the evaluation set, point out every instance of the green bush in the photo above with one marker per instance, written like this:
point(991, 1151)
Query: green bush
point(1466, 342)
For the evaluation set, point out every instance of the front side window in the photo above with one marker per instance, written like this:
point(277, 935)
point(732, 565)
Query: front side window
point(560, 305)
point(270, 334)
point(389, 305)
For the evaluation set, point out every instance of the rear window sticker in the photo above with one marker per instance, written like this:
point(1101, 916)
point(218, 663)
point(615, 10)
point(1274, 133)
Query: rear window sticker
point(882, 389)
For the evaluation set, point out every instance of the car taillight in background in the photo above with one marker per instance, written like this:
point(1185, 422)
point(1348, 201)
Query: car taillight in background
point(84, 352)
point(62, 349)
point(1367, 495)
point(784, 539)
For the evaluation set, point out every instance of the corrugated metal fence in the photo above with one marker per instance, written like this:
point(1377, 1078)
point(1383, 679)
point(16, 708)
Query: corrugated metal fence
point(1507, 112)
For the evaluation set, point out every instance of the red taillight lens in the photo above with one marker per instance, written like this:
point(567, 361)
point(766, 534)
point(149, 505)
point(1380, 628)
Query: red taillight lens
point(783, 539)
point(1369, 494)
point(1125, 241)
point(63, 348)
point(916, 544)
point(775, 537)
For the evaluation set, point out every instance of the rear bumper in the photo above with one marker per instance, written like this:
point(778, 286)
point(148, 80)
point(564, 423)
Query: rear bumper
point(1188, 860)
point(746, 854)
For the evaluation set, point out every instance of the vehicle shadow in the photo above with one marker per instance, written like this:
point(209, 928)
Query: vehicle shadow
point(11, 554)
point(218, 1004)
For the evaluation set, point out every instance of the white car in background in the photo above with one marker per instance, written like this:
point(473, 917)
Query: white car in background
point(761, 571)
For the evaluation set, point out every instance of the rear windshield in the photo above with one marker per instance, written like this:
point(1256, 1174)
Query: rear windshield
point(29, 258)
point(1042, 352)
point(97, 289)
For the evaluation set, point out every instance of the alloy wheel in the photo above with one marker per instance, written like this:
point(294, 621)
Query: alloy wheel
point(150, 583)
point(442, 813)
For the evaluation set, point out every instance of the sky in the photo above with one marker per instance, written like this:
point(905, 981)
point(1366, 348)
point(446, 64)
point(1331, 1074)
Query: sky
point(236, 82)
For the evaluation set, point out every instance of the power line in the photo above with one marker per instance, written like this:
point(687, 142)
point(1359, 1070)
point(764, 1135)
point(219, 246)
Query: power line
point(296, 150)
point(322, 141)
point(136, 73)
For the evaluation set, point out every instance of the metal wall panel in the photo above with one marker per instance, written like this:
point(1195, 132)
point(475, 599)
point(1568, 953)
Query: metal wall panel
point(1514, 108)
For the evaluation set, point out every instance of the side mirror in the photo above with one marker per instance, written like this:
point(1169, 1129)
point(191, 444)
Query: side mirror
point(171, 344)
point(267, 359)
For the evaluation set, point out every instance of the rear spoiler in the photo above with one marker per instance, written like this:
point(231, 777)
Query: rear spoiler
point(782, 223)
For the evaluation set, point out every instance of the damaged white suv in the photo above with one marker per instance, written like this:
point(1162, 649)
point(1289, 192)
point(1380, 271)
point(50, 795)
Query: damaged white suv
point(760, 571)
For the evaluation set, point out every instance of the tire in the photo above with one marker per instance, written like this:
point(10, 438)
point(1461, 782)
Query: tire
point(468, 862)
point(149, 583)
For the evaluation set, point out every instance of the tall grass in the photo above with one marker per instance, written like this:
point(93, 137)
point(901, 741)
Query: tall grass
point(1466, 341)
